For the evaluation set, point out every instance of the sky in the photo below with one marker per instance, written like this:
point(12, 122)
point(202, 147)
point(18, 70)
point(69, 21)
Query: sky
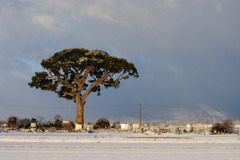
point(186, 52)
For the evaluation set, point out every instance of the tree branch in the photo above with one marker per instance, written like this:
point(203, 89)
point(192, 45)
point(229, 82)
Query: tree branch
point(67, 84)
point(120, 77)
point(97, 82)
point(69, 94)
point(84, 78)
point(76, 78)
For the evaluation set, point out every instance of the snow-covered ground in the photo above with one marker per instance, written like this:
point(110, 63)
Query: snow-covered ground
point(115, 146)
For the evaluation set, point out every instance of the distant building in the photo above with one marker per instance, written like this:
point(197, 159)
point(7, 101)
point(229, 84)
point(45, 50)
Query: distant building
point(172, 128)
point(52, 129)
point(125, 126)
point(88, 127)
point(135, 126)
point(65, 122)
point(237, 125)
point(3, 124)
point(188, 127)
point(78, 127)
point(197, 127)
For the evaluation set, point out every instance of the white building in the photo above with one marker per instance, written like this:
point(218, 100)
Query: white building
point(125, 126)
point(135, 126)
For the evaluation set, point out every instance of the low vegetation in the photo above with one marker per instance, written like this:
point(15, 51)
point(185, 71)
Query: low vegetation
point(226, 126)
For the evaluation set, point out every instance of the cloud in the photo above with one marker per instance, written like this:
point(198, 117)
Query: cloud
point(46, 21)
point(168, 4)
point(218, 7)
point(97, 11)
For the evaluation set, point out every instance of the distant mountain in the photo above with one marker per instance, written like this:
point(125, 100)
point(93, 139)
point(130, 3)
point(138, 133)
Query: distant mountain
point(195, 112)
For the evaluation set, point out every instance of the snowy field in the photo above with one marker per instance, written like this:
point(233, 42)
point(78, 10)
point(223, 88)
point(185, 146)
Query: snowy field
point(114, 146)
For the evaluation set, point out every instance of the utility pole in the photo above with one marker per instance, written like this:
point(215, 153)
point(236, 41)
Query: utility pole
point(140, 116)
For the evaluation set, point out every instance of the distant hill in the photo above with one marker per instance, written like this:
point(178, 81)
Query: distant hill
point(195, 112)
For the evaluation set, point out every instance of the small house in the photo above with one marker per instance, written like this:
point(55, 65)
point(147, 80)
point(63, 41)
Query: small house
point(125, 126)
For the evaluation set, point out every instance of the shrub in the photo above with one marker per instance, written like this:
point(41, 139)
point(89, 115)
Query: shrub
point(58, 124)
point(228, 126)
point(217, 128)
point(225, 127)
point(102, 123)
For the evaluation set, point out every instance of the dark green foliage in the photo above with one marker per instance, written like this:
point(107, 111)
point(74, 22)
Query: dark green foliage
point(225, 127)
point(27, 125)
point(12, 122)
point(58, 124)
point(24, 121)
point(75, 70)
point(217, 128)
point(21, 125)
point(72, 124)
point(48, 124)
point(33, 120)
point(102, 123)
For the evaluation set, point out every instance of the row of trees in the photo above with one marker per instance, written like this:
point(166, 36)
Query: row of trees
point(16, 123)
point(226, 126)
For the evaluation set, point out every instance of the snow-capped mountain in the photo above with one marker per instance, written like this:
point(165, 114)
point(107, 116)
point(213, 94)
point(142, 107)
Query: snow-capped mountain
point(195, 112)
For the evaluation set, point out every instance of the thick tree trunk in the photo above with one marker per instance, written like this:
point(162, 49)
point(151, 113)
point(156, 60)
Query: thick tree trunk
point(80, 111)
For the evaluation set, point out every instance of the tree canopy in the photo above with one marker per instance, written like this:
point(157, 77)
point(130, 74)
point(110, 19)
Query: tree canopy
point(76, 70)
point(102, 123)
point(74, 73)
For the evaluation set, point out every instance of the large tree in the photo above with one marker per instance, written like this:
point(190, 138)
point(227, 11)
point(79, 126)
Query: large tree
point(74, 73)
